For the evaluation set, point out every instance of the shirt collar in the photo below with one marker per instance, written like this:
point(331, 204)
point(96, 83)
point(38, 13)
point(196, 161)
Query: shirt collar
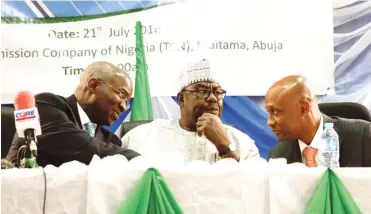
point(83, 116)
point(316, 142)
point(176, 123)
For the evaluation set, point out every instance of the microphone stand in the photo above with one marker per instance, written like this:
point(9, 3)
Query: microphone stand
point(27, 153)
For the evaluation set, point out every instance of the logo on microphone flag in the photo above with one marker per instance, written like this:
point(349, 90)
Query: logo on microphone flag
point(25, 115)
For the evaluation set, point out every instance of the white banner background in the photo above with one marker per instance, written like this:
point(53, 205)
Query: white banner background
point(302, 28)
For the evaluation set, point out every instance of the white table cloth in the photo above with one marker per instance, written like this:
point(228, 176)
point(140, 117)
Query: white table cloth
point(200, 188)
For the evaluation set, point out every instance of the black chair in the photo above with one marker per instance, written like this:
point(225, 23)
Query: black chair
point(7, 129)
point(127, 126)
point(347, 110)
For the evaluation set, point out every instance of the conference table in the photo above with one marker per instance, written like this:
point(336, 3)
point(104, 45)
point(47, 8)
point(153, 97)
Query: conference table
point(103, 186)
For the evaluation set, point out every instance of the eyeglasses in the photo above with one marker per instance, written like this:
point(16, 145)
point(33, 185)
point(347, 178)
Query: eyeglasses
point(123, 95)
point(205, 93)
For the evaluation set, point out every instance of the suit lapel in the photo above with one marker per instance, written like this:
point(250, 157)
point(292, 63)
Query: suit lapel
point(107, 136)
point(326, 119)
point(291, 151)
point(99, 133)
point(295, 152)
point(72, 103)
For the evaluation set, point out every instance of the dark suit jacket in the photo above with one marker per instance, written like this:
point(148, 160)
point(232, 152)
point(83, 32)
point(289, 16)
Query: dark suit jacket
point(63, 138)
point(354, 140)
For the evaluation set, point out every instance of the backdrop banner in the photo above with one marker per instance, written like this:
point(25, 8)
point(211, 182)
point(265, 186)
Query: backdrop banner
point(249, 46)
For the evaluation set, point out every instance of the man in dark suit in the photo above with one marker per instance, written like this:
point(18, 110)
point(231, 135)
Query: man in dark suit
point(297, 122)
point(71, 127)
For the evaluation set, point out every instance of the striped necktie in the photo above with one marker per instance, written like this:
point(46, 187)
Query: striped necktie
point(89, 127)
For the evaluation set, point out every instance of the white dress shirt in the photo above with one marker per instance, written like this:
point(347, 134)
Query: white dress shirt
point(165, 141)
point(84, 117)
point(316, 143)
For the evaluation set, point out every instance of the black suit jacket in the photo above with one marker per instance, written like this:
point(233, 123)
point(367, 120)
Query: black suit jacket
point(63, 138)
point(354, 140)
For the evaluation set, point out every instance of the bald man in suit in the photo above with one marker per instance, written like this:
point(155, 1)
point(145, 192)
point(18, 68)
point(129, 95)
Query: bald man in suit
point(72, 126)
point(297, 122)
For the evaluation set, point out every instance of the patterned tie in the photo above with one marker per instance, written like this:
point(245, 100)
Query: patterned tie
point(310, 156)
point(89, 127)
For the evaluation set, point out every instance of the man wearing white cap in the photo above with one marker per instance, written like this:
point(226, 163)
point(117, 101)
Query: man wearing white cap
point(199, 134)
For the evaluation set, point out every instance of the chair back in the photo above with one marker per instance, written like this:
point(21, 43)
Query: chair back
point(127, 126)
point(7, 129)
point(347, 110)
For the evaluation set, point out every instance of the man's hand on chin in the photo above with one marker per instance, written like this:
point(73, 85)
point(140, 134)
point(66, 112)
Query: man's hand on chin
point(213, 129)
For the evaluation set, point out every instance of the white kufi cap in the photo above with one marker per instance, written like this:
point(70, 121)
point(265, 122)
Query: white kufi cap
point(196, 72)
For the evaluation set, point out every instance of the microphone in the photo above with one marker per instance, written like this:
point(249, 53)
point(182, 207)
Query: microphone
point(27, 123)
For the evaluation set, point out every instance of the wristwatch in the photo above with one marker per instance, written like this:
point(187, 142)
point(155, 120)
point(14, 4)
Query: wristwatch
point(225, 151)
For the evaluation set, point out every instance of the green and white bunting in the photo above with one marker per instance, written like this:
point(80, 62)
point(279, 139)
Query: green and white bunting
point(331, 197)
point(150, 195)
